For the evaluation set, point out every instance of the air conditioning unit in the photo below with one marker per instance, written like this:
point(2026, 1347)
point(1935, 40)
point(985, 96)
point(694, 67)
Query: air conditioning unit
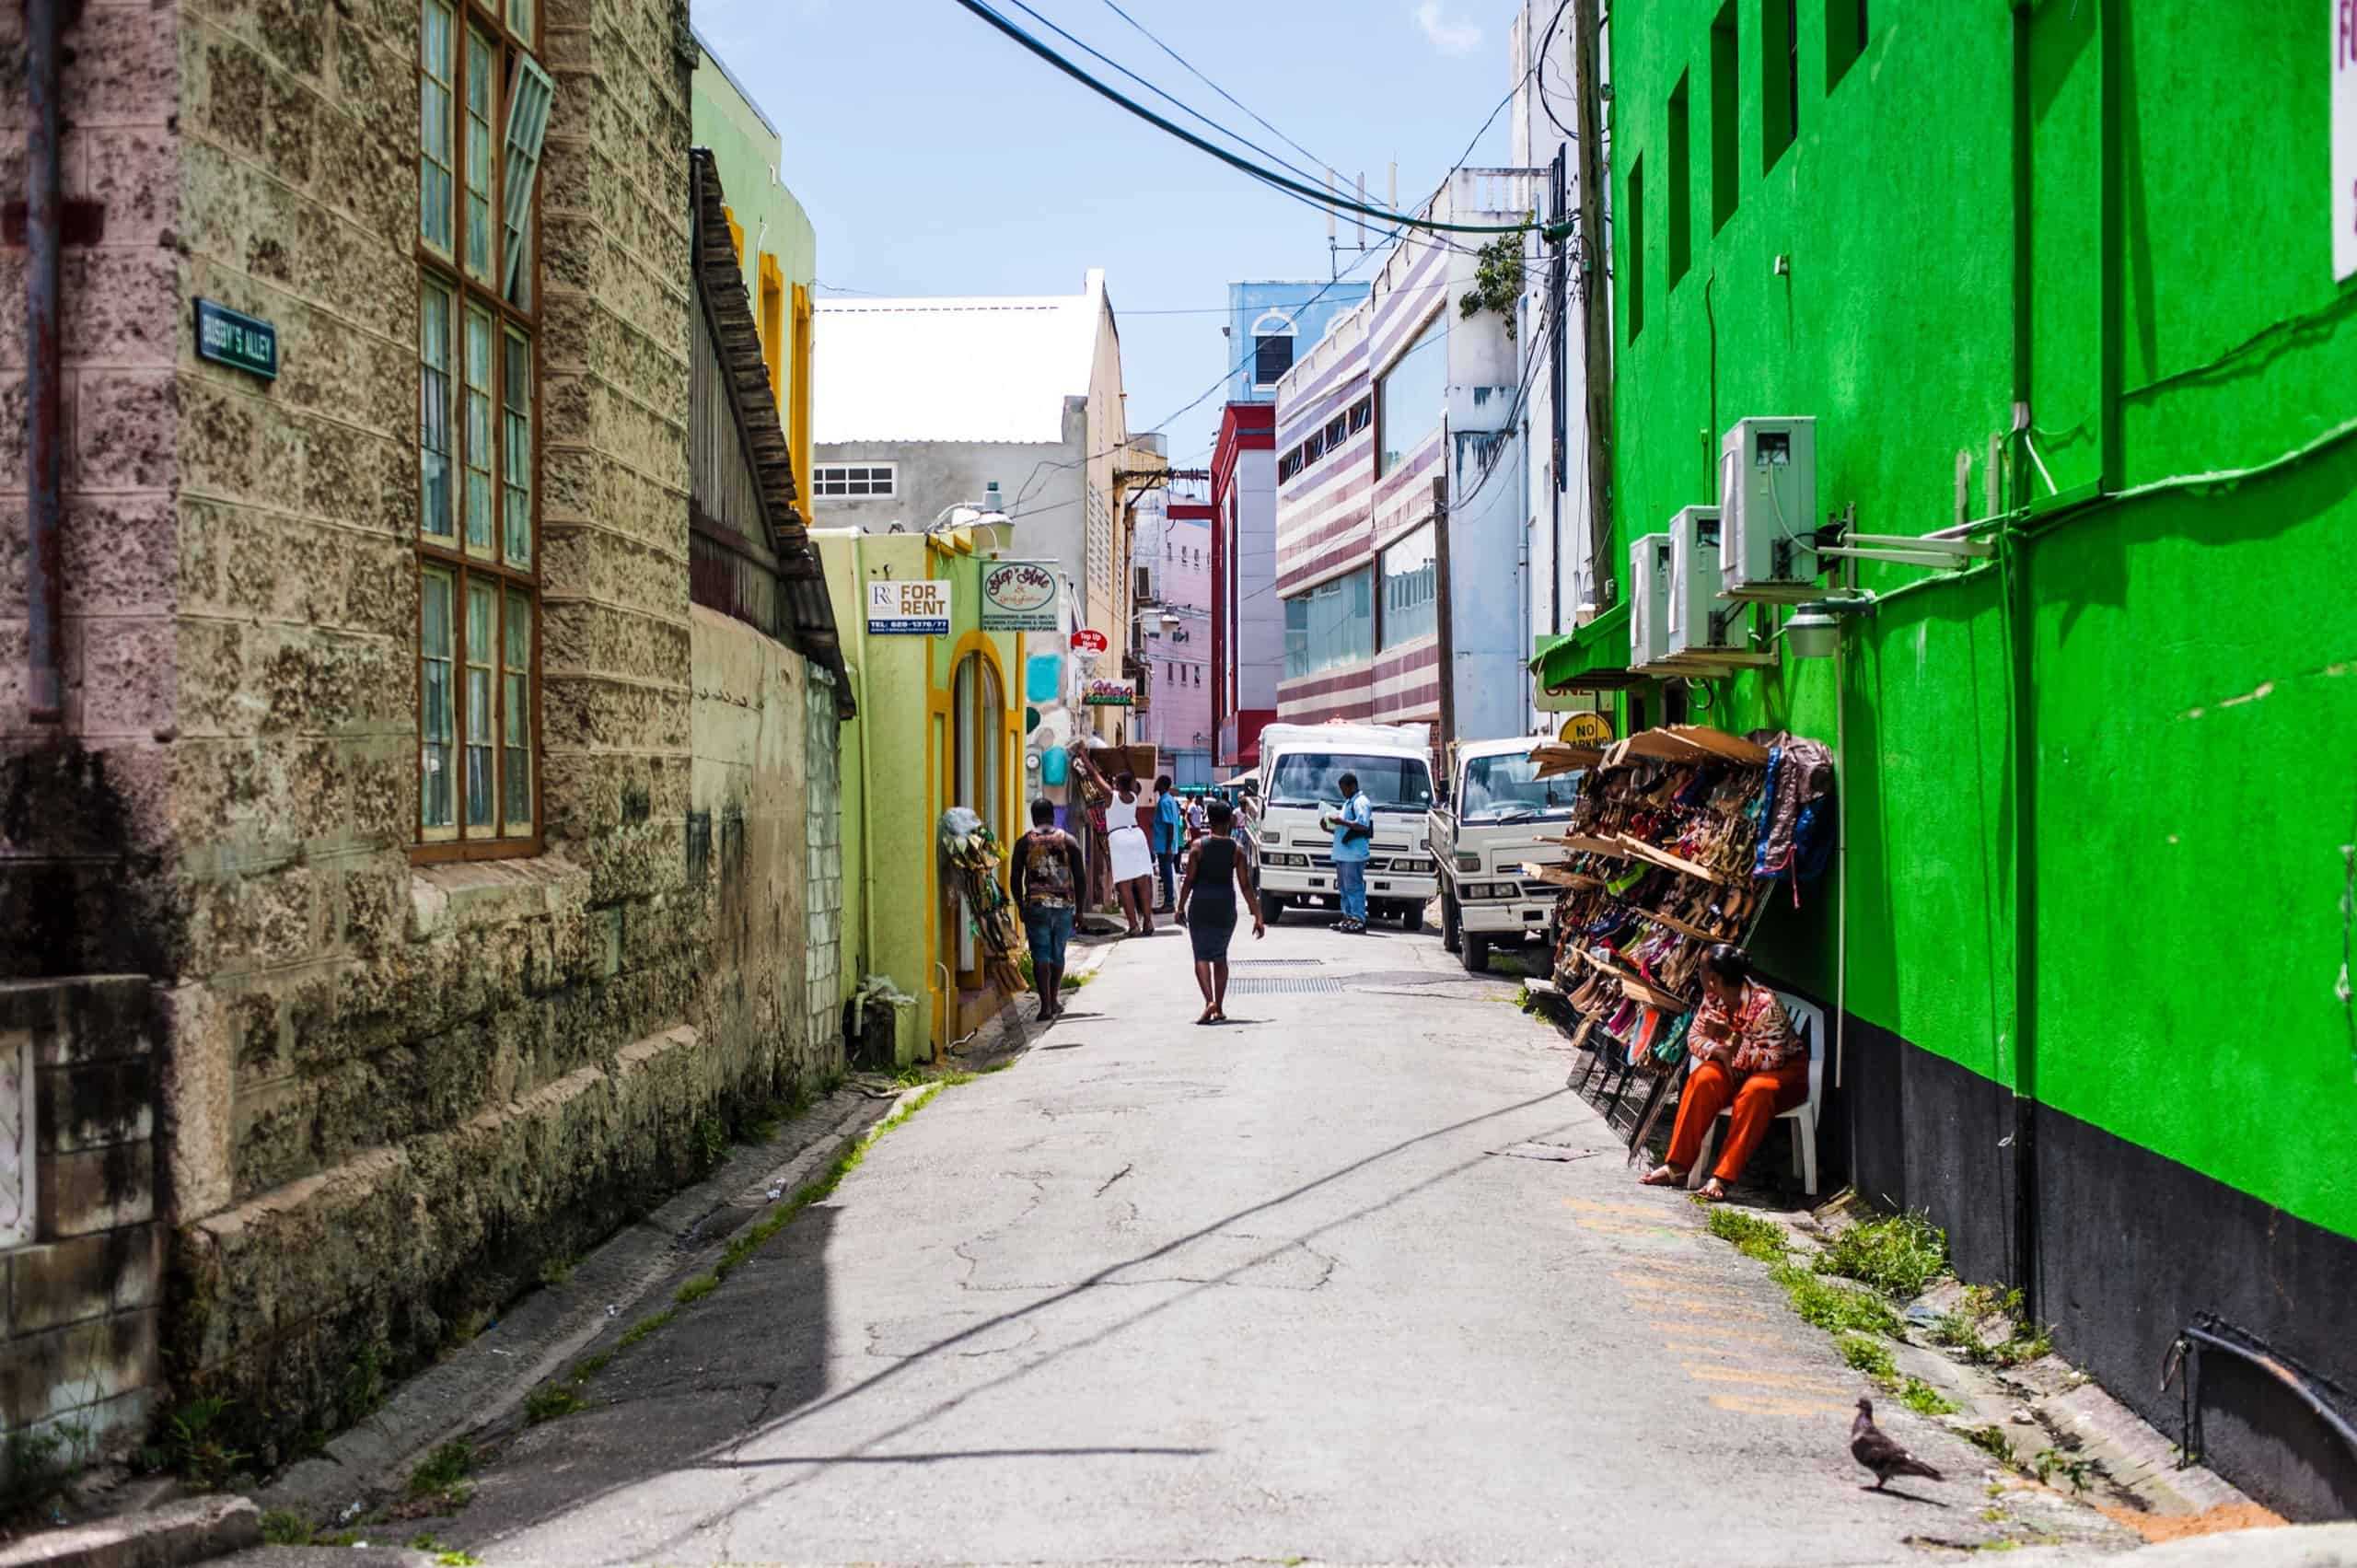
point(1700, 618)
point(1649, 601)
point(1768, 510)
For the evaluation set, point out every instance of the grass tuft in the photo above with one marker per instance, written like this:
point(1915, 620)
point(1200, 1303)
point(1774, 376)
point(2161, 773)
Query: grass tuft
point(442, 1475)
point(1751, 1236)
point(643, 1328)
point(1835, 1307)
point(284, 1527)
point(550, 1400)
point(1925, 1399)
point(1899, 1255)
point(1869, 1356)
point(1990, 1440)
point(696, 1289)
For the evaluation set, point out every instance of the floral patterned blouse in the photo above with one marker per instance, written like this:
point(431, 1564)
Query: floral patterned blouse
point(1754, 1036)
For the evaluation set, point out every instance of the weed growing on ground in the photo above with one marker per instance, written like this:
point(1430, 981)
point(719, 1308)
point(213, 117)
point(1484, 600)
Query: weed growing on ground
point(39, 1463)
point(1832, 1306)
point(284, 1527)
point(1960, 1331)
point(196, 1446)
point(556, 1271)
point(1753, 1237)
point(2051, 1462)
point(1864, 1353)
point(458, 1560)
point(1925, 1399)
point(643, 1328)
point(363, 1384)
point(2029, 1341)
point(696, 1289)
point(1990, 1440)
point(711, 1142)
point(548, 1401)
point(442, 1475)
point(1898, 1255)
point(1988, 1301)
point(591, 1368)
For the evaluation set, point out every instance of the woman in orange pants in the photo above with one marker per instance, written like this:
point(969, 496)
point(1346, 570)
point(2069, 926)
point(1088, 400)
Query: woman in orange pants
point(1745, 1051)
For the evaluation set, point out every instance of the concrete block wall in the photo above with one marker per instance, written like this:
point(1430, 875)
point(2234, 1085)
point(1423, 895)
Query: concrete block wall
point(823, 902)
point(82, 1275)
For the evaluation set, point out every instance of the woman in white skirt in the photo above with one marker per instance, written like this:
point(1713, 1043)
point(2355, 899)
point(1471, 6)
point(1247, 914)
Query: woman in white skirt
point(1132, 858)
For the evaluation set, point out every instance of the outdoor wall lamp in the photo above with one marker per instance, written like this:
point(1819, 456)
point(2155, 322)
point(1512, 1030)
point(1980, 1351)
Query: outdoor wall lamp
point(1814, 630)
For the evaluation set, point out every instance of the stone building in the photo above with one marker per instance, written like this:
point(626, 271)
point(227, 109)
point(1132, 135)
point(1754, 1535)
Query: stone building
point(404, 875)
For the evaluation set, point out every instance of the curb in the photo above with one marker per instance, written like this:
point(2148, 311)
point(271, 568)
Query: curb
point(189, 1531)
point(487, 1379)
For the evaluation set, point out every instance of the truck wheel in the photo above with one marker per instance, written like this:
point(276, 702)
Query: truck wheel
point(1475, 951)
point(1452, 927)
point(1273, 908)
point(1411, 917)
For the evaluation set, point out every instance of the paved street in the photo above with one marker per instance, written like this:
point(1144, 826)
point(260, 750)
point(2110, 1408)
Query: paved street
point(1161, 1292)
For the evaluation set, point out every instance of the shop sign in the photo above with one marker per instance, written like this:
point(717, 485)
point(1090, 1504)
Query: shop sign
point(1020, 596)
point(918, 608)
point(1110, 695)
point(2343, 17)
point(1587, 729)
point(1088, 640)
point(240, 341)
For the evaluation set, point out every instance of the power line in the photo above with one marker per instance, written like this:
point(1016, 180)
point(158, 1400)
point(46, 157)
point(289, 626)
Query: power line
point(1215, 87)
point(1314, 196)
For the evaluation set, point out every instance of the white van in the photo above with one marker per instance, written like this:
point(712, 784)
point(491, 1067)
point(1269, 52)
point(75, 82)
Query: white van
point(1300, 767)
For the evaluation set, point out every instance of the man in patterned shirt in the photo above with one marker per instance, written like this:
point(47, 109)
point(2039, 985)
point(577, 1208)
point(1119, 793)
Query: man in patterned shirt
point(1045, 874)
point(1744, 1050)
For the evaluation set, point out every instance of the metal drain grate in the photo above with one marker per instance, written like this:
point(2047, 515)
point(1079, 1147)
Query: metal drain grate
point(1281, 984)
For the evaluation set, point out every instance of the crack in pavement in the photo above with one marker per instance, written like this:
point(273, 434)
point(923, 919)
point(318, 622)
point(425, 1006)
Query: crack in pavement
point(1115, 1177)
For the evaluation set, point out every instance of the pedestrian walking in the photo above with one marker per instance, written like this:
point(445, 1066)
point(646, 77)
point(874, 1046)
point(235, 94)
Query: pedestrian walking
point(1354, 838)
point(1132, 858)
point(1047, 878)
point(1216, 880)
point(1169, 823)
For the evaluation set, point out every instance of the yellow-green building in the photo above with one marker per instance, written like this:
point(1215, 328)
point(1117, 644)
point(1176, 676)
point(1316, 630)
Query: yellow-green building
point(775, 243)
point(940, 724)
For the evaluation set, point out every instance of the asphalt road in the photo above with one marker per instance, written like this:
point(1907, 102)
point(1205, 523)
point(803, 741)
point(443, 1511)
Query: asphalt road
point(1162, 1293)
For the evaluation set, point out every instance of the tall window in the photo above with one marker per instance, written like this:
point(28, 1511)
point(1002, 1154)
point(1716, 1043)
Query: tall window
point(483, 115)
point(1330, 625)
point(1681, 209)
point(1273, 342)
point(1636, 210)
point(1725, 176)
point(1410, 589)
point(1409, 396)
point(1779, 77)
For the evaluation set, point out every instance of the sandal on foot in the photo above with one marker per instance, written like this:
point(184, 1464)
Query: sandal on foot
point(1662, 1175)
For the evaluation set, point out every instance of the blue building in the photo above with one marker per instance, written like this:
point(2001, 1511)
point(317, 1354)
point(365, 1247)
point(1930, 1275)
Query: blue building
point(1271, 324)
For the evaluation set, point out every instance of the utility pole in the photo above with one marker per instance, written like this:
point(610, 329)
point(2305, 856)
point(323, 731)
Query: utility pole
point(1594, 256)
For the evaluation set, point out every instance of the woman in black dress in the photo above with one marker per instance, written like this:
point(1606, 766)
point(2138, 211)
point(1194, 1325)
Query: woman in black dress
point(1216, 878)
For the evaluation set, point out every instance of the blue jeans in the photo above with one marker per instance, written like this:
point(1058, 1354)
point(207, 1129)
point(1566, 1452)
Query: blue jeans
point(1349, 876)
point(1049, 930)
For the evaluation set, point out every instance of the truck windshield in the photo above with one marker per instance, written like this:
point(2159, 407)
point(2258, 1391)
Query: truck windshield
point(1314, 778)
point(1498, 789)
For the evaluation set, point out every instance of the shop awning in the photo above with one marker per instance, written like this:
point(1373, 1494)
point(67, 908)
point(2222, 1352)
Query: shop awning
point(1595, 658)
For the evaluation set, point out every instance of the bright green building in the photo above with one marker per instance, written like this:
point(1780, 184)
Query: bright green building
point(2065, 268)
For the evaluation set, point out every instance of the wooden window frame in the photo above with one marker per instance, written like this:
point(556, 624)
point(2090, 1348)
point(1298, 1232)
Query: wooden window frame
point(465, 291)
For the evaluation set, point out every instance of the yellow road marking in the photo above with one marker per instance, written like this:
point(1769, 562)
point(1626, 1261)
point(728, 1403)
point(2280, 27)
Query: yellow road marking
point(1719, 1333)
point(1763, 1404)
point(1805, 1382)
point(1597, 1206)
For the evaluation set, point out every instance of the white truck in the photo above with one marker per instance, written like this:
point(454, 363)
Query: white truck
point(1301, 769)
point(1488, 826)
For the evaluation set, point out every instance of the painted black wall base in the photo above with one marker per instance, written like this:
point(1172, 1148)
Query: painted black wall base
point(2130, 1247)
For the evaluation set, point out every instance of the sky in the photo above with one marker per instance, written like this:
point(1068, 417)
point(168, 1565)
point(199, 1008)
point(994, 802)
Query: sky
point(934, 155)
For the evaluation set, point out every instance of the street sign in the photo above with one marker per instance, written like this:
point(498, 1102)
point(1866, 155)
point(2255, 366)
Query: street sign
point(1020, 596)
point(1110, 695)
point(241, 341)
point(1587, 729)
point(918, 608)
point(1090, 641)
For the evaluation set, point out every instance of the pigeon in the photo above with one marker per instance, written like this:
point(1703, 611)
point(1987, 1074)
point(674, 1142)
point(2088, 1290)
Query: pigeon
point(1874, 1448)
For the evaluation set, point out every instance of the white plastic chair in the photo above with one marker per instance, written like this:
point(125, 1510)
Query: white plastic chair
point(1809, 1024)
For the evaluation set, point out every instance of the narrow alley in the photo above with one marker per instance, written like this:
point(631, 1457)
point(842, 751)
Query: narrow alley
point(1260, 1291)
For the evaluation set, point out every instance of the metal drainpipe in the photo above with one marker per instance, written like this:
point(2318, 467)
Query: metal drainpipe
point(44, 418)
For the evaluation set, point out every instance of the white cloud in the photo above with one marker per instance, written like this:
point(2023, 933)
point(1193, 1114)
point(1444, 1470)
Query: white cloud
point(1447, 36)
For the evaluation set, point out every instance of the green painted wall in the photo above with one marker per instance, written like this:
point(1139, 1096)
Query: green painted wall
point(2191, 652)
point(750, 158)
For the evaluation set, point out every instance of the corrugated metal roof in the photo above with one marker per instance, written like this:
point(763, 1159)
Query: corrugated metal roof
point(951, 369)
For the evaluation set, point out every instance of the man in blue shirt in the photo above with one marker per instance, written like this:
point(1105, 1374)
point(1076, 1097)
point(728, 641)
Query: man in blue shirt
point(1354, 838)
point(1170, 834)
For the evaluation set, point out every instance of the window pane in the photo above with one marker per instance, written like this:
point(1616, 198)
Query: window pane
point(482, 645)
point(1411, 581)
point(516, 442)
point(482, 57)
point(434, 181)
point(433, 717)
point(530, 92)
point(1409, 396)
point(1330, 626)
point(433, 433)
point(515, 672)
point(1272, 357)
point(478, 450)
point(519, 18)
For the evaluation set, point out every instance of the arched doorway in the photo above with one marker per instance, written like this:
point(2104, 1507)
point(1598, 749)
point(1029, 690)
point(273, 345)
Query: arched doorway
point(978, 779)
